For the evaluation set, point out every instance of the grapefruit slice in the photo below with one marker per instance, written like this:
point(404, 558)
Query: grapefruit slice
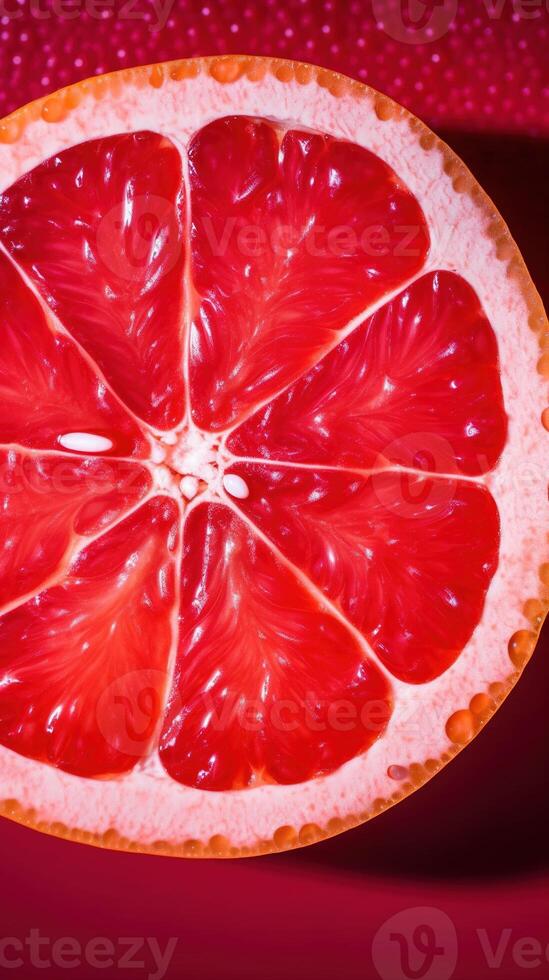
point(272, 413)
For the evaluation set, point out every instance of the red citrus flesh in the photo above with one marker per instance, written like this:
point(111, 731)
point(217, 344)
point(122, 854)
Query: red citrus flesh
point(63, 649)
point(120, 319)
point(80, 226)
point(417, 598)
point(315, 225)
point(431, 355)
point(259, 667)
point(47, 387)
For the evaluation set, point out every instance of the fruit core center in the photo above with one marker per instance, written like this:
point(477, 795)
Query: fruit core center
point(192, 457)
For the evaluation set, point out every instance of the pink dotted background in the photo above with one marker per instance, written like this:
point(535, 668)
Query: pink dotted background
point(469, 64)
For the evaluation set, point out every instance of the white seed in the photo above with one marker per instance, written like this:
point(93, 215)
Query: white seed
point(189, 487)
point(85, 442)
point(236, 486)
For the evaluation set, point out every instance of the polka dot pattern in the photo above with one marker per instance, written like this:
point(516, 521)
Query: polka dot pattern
point(460, 64)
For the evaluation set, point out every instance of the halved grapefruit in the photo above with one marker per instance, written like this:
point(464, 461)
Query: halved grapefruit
point(272, 454)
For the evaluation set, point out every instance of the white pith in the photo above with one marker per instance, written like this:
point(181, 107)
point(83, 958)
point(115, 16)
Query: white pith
point(147, 805)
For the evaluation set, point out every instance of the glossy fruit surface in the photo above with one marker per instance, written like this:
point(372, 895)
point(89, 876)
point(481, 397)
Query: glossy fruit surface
point(261, 394)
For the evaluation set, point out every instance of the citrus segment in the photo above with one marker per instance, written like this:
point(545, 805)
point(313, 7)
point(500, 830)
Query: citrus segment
point(84, 662)
point(47, 388)
point(407, 558)
point(98, 230)
point(269, 686)
point(48, 502)
point(417, 384)
point(293, 234)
